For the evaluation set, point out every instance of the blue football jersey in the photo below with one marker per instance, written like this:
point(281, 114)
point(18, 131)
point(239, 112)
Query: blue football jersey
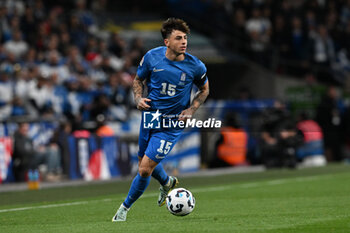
point(169, 83)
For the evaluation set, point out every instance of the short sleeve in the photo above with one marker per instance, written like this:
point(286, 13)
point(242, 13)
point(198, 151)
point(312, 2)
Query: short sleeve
point(201, 75)
point(143, 71)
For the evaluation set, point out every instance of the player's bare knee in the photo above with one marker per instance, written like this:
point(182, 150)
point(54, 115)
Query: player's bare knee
point(144, 171)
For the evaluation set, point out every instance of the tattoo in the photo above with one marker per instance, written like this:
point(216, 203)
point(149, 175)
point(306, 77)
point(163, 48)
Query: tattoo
point(200, 97)
point(137, 88)
point(150, 161)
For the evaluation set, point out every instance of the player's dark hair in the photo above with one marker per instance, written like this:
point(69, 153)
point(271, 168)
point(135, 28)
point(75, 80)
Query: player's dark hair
point(174, 24)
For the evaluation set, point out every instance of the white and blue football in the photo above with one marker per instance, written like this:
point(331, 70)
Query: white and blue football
point(180, 202)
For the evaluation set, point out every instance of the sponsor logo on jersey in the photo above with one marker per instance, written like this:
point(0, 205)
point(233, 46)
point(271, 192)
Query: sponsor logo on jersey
point(159, 157)
point(157, 70)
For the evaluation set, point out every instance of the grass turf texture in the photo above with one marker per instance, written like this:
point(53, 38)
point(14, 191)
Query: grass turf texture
point(307, 200)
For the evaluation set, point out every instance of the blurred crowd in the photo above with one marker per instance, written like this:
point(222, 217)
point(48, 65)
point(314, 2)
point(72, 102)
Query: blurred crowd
point(304, 36)
point(288, 36)
point(56, 62)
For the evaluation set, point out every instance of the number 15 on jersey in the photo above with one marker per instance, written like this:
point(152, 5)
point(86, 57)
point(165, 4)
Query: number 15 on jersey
point(168, 89)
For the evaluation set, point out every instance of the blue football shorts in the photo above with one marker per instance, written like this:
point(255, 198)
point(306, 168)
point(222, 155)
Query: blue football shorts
point(157, 144)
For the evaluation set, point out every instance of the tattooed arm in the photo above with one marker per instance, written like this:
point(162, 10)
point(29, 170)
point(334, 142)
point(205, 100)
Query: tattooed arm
point(198, 100)
point(141, 103)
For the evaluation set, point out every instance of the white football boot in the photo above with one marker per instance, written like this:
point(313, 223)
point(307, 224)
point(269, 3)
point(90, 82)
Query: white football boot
point(120, 216)
point(164, 190)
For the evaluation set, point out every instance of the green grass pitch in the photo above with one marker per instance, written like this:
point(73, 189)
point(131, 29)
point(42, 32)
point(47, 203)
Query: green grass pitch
point(307, 200)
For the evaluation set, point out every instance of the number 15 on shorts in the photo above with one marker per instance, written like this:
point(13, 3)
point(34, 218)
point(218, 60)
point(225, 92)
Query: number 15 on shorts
point(164, 147)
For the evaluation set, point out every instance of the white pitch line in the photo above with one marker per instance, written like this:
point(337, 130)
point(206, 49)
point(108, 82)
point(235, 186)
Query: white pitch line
point(195, 190)
point(53, 205)
point(44, 206)
point(275, 182)
point(249, 185)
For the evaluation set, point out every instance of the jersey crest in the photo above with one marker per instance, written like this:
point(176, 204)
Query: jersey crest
point(183, 77)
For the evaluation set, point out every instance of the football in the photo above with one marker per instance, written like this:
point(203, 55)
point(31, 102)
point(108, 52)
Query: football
point(180, 202)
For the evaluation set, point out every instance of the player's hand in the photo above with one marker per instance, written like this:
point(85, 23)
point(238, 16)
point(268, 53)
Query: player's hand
point(141, 103)
point(186, 115)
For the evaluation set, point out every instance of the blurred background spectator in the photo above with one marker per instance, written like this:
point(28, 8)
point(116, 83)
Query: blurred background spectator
point(311, 152)
point(26, 156)
point(231, 148)
point(258, 29)
point(23, 150)
point(329, 118)
point(279, 137)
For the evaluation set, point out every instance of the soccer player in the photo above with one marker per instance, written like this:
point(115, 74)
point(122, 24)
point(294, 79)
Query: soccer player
point(169, 73)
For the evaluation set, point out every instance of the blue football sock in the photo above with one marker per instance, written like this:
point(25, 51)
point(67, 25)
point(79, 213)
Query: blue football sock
point(138, 186)
point(160, 174)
